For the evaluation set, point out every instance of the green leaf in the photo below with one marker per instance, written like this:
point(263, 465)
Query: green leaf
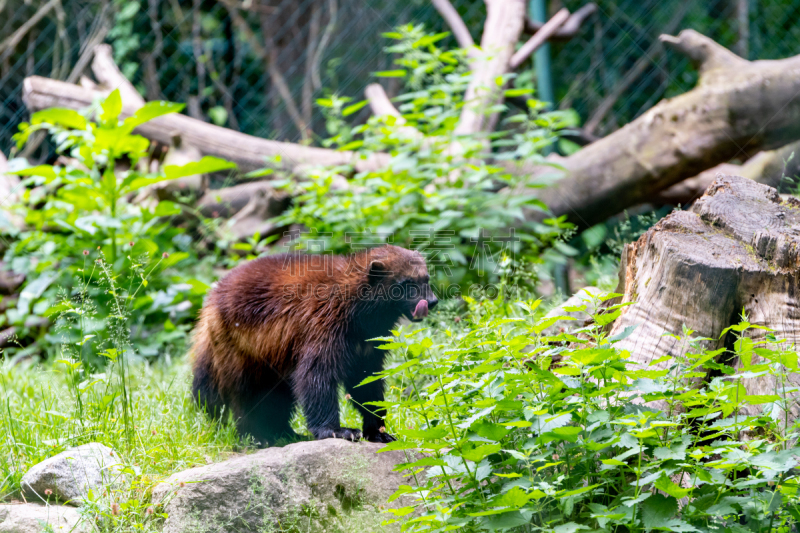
point(569, 434)
point(489, 431)
point(206, 165)
point(478, 453)
point(607, 318)
point(148, 112)
point(757, 399)
point(173, 259)
point(166, 208)
point(112, 107)
point(507, 521)
point(390, 73)
point(665, 484)
point(430, 39)
point(218, 115)
point(569, 527)
point(352, 145)
point(657, 510)
point(349, 110)
point(510, 93)
point(68, 118)
point(515, 498)
point(432, 433)
point(260, 173)
point(45, 171)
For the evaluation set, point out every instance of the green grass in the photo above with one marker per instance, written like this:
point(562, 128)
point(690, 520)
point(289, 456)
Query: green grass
point(48, 407)
point(44, 413)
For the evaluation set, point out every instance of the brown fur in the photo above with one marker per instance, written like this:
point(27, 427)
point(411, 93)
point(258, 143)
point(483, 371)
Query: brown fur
point(290, 328)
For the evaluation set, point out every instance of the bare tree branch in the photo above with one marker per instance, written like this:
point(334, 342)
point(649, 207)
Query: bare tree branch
point(569, 29)
point(456, 23)
point(380, 104)
point(109, 76)
point(504, 21)
point(99, 30)
point(308, 83)
point(323, 43)
point(12, 40)
point(539, 38)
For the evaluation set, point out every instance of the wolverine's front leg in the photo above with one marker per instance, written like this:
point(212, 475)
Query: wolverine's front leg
point(315, 386)
point(365, 366)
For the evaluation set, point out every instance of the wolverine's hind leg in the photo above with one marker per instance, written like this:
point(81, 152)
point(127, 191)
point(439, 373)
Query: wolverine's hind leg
point(204, 389)
point(265, 408)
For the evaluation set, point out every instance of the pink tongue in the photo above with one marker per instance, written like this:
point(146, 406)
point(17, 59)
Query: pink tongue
point(421, 311)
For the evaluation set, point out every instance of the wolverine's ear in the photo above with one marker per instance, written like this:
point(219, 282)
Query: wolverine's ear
point(377, 270)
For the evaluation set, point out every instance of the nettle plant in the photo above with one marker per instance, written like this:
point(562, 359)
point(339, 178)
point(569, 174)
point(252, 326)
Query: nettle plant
point(523, 432)
point(84, 208)
point(442, 193)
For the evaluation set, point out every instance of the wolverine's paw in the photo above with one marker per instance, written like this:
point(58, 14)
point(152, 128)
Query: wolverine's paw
point(350, 434)
point(378, 435)
point(353, 435)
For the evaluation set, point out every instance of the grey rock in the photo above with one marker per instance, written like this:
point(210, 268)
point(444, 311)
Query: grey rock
point(32, 518)
point(72, 473)
point(331, 485)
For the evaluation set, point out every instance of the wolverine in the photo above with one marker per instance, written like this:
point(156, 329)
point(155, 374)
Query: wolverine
point(289, 329)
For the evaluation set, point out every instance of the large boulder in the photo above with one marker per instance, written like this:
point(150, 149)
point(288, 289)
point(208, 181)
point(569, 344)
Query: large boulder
point(327, 485)
point(70, 475)
point(31, 518)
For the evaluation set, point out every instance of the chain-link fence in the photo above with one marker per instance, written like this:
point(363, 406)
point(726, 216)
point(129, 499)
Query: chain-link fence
point(258, 65)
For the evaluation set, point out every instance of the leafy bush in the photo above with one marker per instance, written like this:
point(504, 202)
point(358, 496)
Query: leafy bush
point(83, 210)
point(440, 194)
point(522, 432)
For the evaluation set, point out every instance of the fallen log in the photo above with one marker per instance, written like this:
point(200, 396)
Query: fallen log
point(249, 206)
point(228, 201)
point(247, 151)
point(775, 168)
point(736, 251)
point(739, 107)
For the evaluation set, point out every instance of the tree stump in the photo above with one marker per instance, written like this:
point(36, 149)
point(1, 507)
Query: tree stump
point(737, 251)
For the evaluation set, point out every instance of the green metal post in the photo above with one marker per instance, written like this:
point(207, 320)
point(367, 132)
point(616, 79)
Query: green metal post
point(537, 10)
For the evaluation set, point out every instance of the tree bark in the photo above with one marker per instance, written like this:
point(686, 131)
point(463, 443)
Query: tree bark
point(738, 248)
point(247, 151)
point(738, 107)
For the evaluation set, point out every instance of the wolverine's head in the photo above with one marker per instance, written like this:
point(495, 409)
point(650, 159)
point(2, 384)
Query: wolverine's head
point(401, 278)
